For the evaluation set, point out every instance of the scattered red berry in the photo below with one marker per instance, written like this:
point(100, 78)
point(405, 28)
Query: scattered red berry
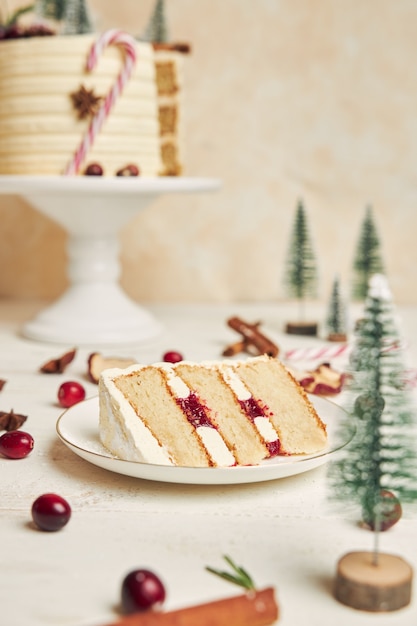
point(142, 590)
point(51, 512)
point(94, 169)
point(38, 30)
point(128, 170)
point(16, 444)
point(172, 357)
point(15, 31)
point(391, 512)
point(69, 393)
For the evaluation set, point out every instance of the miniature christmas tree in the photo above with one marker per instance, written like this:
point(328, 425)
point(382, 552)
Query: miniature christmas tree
point(301, 271)
point(367, 260)
point(51, 9)
point(336, 316)
point(157, 30)
point(76, 18)
point(379, 466)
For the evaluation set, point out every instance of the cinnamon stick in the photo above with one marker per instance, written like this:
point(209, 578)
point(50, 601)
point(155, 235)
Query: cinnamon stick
point(253, 336)
point(257, 608)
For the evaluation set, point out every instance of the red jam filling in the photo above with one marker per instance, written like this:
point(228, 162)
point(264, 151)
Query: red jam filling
point(253, 410)
point(195, 411)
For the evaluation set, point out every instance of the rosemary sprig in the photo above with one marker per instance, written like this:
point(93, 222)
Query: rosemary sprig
point(239, 577)
point(12, 19)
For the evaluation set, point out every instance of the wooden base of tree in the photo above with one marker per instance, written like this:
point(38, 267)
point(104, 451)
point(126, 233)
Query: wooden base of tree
point(337, 337)
point(301, 328)
point(363, 585)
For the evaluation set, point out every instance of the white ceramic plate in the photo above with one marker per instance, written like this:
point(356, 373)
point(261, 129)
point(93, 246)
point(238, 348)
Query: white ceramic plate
point(78, 429)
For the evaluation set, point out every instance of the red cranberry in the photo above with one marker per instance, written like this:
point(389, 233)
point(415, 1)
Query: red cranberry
point(94, 169)
point(69, 393)
point(51, 512)
point(173, 357)
point(391, 512)
point(16, 444)
point(128, 170)
point(14, 31)
point(38, 30)
point(142, 590)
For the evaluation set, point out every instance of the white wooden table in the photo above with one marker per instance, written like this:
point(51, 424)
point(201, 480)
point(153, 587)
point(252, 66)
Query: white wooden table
point(285, 532)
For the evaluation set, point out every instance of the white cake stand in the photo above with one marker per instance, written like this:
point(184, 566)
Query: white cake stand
point(95, 309)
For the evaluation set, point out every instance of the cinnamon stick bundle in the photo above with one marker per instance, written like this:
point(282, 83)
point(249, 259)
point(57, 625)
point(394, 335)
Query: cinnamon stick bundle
point(257, 608)
point(253, 339)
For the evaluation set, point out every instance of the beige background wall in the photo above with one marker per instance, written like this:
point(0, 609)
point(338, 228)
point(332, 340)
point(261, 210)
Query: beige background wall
point(286, 99)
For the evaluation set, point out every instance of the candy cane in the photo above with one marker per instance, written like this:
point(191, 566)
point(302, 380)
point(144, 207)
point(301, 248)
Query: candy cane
point(331, 352)
point(411, 378)
point(328, 352)
point(127, 42)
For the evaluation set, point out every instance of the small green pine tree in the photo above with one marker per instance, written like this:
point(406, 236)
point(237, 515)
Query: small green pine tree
point(50, 9)
point(156, 29)
point(336, 315)
point(77, 19)
point(301, 271)
point(382, 455)
point(367, 260)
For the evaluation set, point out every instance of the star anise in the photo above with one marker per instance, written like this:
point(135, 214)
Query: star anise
point(11, 420)
point(85, 102)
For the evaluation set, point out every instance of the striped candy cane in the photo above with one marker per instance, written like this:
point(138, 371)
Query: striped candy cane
point(305, 354)
point(411, 378)
point(127, 42)
point(332, 352)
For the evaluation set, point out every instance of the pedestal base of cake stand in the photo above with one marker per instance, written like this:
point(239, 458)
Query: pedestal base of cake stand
point(93, 315)
point(95, 309)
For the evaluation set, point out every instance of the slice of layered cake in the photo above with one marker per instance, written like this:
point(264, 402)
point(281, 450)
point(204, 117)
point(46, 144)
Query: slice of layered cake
point(220, 413)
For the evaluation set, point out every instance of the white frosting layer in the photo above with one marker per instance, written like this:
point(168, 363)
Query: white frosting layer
point(175, 383)
point(215, 446)
point(266, 429)
point(230, 378)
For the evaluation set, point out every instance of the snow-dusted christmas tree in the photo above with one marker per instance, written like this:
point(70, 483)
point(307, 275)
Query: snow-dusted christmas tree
point(76, 18)
point(300, 278)
point(367, 259)
point(157, 29)
point(301, 269)
point(383, 454)
point(50, 9)
point(336, 320)
point(379, 466)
